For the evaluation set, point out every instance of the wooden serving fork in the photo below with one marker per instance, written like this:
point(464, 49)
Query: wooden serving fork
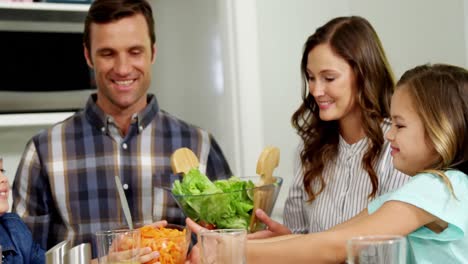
point(267, 162)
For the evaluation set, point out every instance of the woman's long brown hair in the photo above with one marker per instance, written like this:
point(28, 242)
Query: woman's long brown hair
point(353, 39)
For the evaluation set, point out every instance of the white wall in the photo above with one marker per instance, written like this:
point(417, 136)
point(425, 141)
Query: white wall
point(192, 76)
point(418, 31)
point(465, 23)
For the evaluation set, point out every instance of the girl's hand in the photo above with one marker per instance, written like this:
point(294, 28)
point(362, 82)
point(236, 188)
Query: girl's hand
point(273, 228)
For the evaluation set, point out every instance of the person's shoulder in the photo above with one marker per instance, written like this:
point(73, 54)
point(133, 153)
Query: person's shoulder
point(67, 122)
point(457, 179)
point(176, 123)
point(11, 216)
point(456, 174)
point(451, 175)
point(12, 219)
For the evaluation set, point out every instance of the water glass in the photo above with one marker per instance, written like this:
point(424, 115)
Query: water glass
point(118, 246)
point(377, 250)
point(223, 246)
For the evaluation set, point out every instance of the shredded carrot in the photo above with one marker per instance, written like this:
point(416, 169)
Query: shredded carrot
point(171, 244)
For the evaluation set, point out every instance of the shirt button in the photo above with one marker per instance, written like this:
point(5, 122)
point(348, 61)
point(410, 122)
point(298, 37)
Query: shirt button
point(140, 128)
point(124, 146)
point(103, 129)
point(125, 186)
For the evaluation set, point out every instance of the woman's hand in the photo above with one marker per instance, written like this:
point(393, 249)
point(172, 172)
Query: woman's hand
point(273, 228)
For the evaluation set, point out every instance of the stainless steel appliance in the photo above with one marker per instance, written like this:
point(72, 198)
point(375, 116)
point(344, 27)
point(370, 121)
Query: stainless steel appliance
point(43, 67)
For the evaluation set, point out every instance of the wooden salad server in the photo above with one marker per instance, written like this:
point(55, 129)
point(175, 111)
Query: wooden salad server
point(267, 162)
point(183, 160)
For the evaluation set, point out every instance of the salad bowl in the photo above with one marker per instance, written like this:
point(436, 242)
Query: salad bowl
point(224, 204)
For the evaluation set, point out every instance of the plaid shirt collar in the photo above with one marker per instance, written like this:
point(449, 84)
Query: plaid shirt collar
point(98, 118)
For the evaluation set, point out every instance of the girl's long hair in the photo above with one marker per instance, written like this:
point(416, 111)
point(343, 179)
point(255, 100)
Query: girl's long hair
point(439, 94)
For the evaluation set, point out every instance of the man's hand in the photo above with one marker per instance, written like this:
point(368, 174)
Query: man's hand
point(273, 228)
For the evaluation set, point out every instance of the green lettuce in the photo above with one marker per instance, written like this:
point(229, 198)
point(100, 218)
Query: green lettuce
point(223, 203)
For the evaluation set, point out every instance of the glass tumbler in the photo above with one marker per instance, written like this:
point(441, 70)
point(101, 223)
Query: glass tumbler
point(223, 246)
point(377, 250)
point(118, 246)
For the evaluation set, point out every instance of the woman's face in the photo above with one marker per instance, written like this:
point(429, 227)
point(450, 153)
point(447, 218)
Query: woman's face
point(332, 84)
point(412, 151)
point(4, 191)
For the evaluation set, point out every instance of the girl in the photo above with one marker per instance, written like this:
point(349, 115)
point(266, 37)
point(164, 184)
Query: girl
point(342, 121)
point(15, 237)
point(429, 141)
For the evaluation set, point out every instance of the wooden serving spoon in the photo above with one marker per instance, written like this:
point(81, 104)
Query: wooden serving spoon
point(267, 162)
point(183, 160)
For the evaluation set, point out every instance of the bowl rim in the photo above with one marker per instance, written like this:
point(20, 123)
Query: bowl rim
point(279, 182)
point(188, 232)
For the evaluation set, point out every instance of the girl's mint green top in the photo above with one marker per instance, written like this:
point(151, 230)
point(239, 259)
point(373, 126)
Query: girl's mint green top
point(430, 193)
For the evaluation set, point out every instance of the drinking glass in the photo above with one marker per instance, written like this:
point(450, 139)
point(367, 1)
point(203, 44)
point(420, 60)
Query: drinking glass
point(377, 250)
point(118, 246)
point(223, 246)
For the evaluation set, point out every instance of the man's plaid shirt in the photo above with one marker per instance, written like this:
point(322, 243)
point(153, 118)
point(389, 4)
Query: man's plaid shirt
point(65, 188)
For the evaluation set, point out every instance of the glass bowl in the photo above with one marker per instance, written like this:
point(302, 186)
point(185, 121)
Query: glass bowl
point(230, 210)
point(172, 242)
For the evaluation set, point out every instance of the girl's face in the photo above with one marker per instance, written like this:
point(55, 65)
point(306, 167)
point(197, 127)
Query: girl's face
point(4, 190)
point(412, 150)
point(332, 84)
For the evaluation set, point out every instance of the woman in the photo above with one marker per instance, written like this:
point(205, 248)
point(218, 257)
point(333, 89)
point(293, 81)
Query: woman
point(344, 159)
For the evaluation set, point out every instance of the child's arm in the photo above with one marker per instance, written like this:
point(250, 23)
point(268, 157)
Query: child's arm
point(396, 218)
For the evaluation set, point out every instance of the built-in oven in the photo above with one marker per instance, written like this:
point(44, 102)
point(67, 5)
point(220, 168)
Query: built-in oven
point(42, 67)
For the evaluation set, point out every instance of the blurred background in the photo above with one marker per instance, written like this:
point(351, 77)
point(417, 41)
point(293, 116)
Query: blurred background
point(232, 66)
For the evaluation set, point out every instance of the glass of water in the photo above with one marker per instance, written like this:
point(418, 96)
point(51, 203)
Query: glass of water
point(377, 250)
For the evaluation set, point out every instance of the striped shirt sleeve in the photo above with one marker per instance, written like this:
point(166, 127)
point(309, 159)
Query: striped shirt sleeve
point(31, 200)
point(295, 216)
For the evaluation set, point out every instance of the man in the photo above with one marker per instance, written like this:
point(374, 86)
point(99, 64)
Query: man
point(65, 186)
